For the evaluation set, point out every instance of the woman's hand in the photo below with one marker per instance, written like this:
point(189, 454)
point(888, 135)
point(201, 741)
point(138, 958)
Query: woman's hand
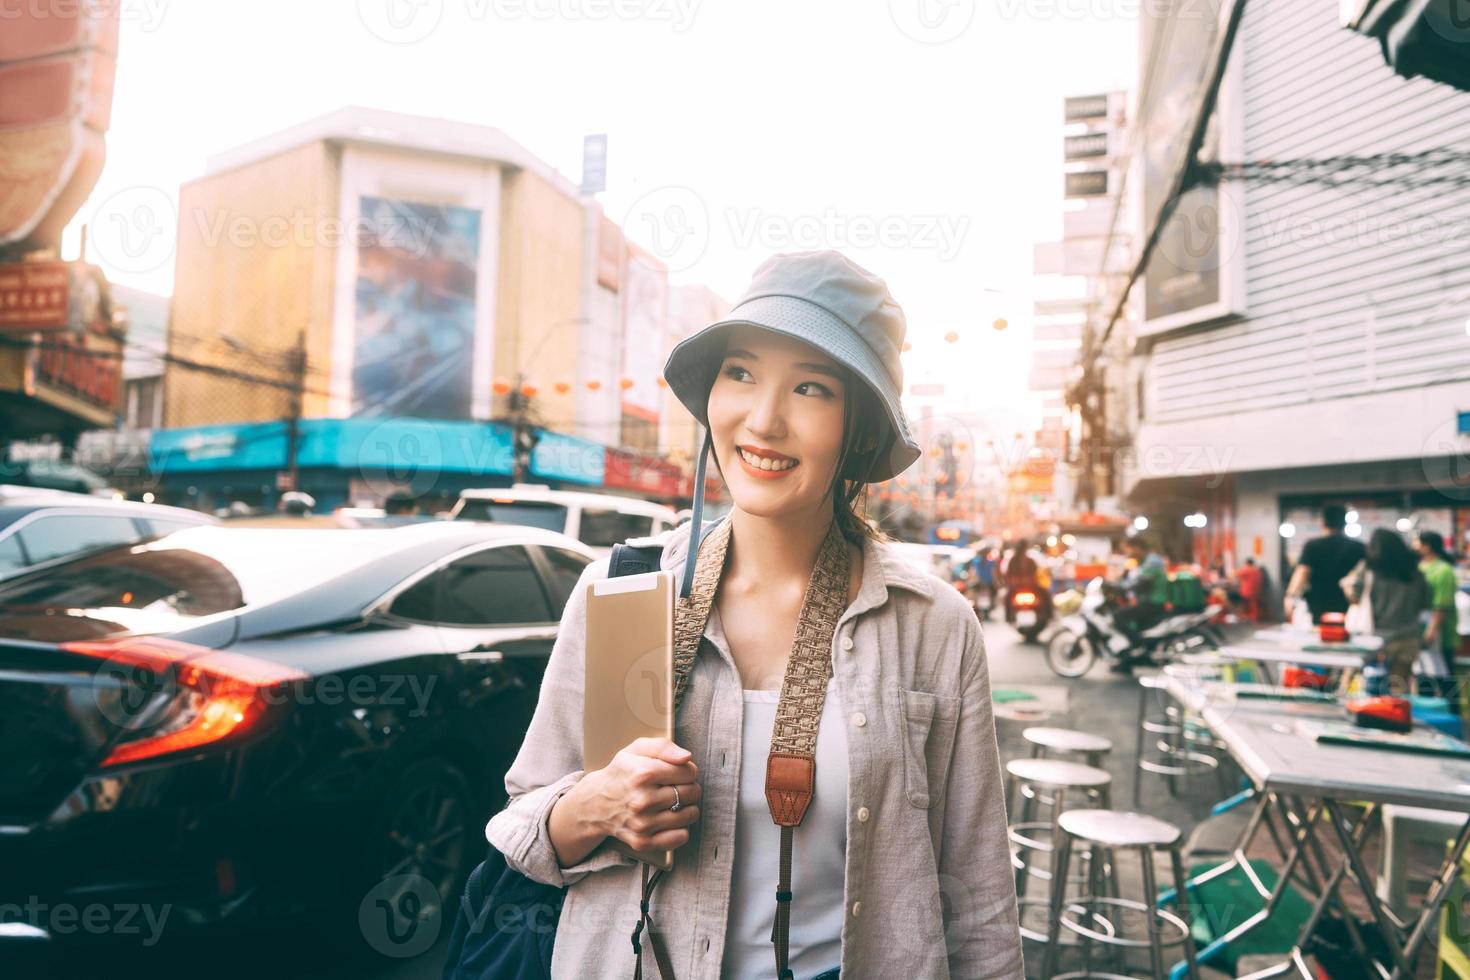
point(629, 799)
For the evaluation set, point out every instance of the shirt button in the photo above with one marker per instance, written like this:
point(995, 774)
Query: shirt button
point(859, 719)
point(847, 643)
point(857, 909)
point(862, 814)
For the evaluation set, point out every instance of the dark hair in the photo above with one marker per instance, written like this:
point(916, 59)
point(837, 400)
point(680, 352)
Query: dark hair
point(1334, 517)
point(1434, 541)
point(865, 438)
point(1390, 557)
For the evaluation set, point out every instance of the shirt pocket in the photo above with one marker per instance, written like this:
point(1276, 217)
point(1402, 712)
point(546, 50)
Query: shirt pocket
point(929, 727)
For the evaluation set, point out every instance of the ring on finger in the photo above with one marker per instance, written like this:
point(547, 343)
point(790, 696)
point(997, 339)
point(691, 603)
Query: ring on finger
point(678, 803)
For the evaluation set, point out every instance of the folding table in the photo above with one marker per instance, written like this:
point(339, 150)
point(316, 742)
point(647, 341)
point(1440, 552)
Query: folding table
point(1301, 780)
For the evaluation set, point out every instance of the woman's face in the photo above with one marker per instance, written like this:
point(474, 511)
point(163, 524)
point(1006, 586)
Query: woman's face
point(782, 400)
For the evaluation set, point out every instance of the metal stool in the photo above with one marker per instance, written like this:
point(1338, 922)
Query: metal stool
point(1066, 741)
point(1102, 832)
point(1179, 747)
point(1045, 782)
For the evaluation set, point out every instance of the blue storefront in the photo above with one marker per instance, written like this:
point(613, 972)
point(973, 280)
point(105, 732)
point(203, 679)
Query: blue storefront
point(356, 461)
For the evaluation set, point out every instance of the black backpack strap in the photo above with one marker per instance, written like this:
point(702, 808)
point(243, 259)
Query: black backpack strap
point(631, 559)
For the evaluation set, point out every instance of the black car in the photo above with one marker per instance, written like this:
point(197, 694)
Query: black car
point(238, 723)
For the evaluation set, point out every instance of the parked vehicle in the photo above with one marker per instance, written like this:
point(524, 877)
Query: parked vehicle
point(246, 722)
point(936, 559)
point(39, 526)
point(1029, 609)
point(598, 520)
point(1093, 631)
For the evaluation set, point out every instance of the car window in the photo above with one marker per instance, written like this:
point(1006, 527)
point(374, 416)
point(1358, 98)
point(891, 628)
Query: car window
point(493, 587)
point(11, 557)
point(419, 601)
point(53, 537)
point(605, 528)
point(566, 569)
point(530, 513)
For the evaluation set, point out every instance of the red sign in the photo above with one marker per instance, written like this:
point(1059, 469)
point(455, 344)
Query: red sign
point(34, 296)
point(65, 364)
point(629, 470)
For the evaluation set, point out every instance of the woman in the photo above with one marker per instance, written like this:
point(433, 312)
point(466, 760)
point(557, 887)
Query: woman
point(907, 814)
point(1388, 579)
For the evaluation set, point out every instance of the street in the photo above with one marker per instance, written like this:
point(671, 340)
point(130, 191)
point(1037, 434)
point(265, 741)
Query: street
point(1102, 702)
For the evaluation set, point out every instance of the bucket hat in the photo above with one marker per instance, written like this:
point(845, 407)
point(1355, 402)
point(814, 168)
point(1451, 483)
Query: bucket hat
point(831, 303)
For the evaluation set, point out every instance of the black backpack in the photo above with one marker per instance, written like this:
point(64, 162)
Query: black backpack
point(505, 925)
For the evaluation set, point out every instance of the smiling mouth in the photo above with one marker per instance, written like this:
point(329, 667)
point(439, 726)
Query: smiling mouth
point(761, 463)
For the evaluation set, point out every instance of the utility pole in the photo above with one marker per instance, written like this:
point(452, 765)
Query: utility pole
point(524, 436)
point(296, 362)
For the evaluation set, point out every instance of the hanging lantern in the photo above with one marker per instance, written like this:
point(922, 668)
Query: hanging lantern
point(594, 384)
point(962, 446)
point(951, 337)
point(529, 390)
point(562, 387)
point(661, 382)
point(625, 383)
point(500, 386)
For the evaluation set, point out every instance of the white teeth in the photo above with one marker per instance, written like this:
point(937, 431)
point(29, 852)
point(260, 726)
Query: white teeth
point(766, 464)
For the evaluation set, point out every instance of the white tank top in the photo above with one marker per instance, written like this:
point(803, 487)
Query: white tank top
point(818, 852)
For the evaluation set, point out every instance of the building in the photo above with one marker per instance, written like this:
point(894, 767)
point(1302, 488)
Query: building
point(372, 303)
point(1303, 337)
point(1074, 278)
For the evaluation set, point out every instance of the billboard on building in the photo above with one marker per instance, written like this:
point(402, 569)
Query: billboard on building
point(414, 309)
point(645, 319)
point(1194, 274)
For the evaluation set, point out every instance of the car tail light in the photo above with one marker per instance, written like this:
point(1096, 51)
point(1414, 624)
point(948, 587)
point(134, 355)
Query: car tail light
point(216, 694)
point(1025, 598)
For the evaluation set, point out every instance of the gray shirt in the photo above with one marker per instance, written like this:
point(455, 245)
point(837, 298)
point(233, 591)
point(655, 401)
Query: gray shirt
point(928, 889)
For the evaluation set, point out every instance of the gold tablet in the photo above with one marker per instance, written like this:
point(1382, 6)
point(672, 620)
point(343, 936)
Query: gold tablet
point(629, 691)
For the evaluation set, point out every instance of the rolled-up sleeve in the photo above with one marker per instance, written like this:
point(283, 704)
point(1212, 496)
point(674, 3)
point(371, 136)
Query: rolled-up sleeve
point(975, 860)
point(550, 759)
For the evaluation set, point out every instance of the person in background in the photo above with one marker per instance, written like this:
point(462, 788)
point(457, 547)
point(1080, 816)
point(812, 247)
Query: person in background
point(1324, 563)
point(1389, 580)
point(401, 505)
point(1148, 581)
point(1251, 584)
point(1442, 633)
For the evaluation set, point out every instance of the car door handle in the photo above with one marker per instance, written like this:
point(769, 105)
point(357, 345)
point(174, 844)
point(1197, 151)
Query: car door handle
point(482, 655)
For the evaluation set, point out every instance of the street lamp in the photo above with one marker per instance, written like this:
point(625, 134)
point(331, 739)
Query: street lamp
point(1287, 530)
point(1140, 523)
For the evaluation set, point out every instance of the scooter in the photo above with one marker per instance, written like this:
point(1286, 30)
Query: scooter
point(1029, 609)
point(1093, 632)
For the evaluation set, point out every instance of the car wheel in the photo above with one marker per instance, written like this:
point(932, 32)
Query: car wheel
point(420, 849)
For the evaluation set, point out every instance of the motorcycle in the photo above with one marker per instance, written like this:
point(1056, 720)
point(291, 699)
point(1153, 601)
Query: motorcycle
point(1093, 631)
point(1029, 609)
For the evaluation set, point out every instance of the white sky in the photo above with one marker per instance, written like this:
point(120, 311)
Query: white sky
point(770, 118)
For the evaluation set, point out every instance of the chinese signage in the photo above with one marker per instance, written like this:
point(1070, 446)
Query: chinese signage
point(34, 296)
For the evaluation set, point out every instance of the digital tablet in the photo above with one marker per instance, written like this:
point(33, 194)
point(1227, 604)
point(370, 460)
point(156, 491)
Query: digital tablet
point(629, 691)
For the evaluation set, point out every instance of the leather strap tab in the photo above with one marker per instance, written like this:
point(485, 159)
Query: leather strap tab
point(791, 782)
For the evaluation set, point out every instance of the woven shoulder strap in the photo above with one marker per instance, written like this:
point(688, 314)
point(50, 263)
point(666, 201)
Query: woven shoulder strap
point(791, 766)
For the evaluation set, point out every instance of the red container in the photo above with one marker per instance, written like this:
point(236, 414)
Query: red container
point(1333, 628)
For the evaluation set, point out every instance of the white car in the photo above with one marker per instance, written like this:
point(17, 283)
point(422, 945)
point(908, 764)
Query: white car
point(39, 525)
point(598, 520)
